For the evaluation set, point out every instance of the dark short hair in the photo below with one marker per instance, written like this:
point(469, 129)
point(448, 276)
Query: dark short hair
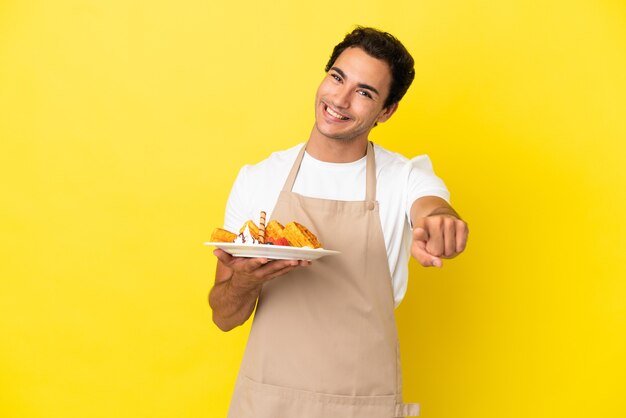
point(386, 47)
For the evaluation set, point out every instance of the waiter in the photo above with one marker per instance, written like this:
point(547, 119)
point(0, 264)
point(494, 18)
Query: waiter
point(323, 343)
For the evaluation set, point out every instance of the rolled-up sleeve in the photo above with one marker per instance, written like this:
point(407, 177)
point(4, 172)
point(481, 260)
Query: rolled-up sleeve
point(422, 181)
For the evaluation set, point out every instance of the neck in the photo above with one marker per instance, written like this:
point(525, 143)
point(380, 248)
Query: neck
point(332, 150)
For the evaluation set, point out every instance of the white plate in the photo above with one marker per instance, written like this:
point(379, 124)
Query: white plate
point(276, 252)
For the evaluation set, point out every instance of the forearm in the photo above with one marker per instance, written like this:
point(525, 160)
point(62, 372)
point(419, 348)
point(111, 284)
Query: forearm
point(232, 305)
point(238, 283)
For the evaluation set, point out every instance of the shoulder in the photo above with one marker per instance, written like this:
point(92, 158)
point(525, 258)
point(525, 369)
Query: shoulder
point(257, 187)
point(274, 160)
point(387, 157)
point(390, 163)
point(270, 170)
point(390, 160)
point(414, 176)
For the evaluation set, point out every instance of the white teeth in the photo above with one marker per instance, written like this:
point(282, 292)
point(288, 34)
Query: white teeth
point(335, 114)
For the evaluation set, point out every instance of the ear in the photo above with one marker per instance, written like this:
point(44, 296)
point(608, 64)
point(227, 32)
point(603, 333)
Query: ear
point(387, 112)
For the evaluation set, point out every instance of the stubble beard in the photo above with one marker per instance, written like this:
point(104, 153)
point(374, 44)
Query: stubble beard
point(344, 136)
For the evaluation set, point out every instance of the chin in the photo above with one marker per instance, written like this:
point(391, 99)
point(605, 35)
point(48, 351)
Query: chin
point(330, 135)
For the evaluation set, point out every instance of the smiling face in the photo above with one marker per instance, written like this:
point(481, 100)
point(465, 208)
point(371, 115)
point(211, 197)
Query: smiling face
point(350, 99)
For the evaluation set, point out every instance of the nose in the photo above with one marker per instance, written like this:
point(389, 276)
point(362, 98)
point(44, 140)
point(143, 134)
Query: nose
point(341, 97)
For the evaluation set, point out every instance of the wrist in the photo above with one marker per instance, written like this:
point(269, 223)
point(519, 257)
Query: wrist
point(444, 211)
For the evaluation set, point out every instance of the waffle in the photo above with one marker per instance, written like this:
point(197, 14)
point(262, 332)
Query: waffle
point(299, 236)
point(293, 234)
point(274, 230)
point(222, 235)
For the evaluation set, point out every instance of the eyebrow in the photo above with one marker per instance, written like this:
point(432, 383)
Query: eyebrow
point(361, 85)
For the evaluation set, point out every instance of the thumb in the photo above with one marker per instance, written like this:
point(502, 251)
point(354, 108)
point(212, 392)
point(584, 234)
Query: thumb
point(420, 234)
point(223, 256)
point(419, 252)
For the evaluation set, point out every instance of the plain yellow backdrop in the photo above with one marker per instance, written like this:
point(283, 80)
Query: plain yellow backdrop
point(124, 123)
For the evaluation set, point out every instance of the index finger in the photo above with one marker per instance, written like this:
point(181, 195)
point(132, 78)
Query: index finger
point(277, 268)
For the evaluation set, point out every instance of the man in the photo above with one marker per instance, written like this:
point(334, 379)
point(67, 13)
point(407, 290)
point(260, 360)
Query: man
point(323, 343)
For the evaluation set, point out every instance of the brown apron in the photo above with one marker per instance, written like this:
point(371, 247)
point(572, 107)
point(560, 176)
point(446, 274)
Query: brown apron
point(324, 343)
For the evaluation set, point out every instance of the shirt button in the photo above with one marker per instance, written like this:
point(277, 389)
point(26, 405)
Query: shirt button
point(371, 205)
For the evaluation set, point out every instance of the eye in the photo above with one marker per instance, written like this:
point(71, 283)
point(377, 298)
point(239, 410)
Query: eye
point(335, 76)
point(364, 93)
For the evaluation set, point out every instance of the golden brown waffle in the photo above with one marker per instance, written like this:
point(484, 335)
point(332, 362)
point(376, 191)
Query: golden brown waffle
point(299, 236)
point(222, 235)
point(274, 230)
point(296, 234)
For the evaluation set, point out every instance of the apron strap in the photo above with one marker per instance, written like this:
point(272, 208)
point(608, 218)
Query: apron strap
point(407, 410)
point(370, 182)
point(291, 178)
point(370, 185)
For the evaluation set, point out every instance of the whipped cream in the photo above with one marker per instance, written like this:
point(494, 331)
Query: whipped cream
point(246, 238)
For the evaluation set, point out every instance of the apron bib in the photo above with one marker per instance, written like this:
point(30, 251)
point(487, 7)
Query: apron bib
point(323, 343)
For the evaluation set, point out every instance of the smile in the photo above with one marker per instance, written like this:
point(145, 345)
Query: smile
point(334, 114)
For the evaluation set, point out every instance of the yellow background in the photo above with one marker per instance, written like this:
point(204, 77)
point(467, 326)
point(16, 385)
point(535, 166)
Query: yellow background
point(124, 123)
